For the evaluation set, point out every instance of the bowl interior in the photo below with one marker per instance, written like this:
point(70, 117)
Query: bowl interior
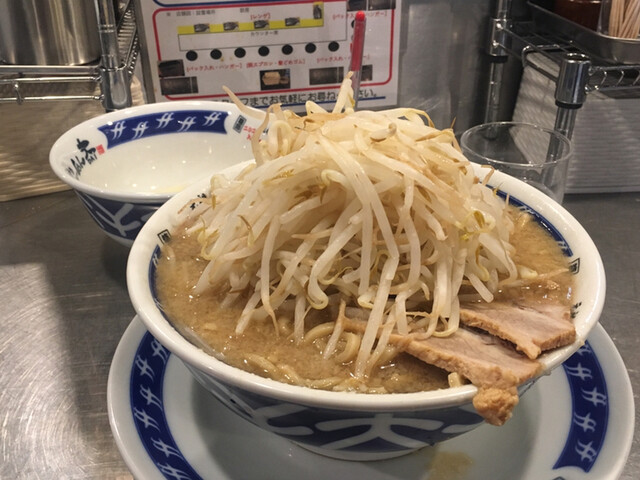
point(163, 164)
point(574, 240)
point(152, 150)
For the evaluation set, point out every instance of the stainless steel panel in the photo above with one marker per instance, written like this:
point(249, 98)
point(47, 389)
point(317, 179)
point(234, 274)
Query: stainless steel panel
point(52, 32)
point(442, 60)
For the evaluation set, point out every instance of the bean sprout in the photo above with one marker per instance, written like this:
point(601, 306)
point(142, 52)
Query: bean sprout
point(378, 211)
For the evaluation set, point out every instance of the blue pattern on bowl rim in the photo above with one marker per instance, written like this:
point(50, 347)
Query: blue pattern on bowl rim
point(162, 123)
point(590, 410)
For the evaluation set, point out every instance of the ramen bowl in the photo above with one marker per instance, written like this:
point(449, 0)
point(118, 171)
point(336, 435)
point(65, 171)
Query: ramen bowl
point(346, 425)
point(123, 165)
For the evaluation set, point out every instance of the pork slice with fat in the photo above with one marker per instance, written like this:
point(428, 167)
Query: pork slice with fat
point(485, 360)
point(491, 364)
point(532, 329)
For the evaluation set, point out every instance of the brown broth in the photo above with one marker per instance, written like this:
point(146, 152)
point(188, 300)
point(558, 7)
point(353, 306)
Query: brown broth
point(536, 249)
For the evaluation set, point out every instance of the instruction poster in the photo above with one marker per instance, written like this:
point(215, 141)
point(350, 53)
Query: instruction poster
point(268, 51)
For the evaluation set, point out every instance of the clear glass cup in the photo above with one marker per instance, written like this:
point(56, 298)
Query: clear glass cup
point(533, 154)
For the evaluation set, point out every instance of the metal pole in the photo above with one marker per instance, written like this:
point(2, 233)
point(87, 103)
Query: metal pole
point(498, 57)
point(114, 78)
point(570, 95)
point(571, 90)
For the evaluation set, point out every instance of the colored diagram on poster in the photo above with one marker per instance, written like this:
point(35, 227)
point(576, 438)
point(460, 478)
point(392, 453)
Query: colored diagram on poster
point(269, 51)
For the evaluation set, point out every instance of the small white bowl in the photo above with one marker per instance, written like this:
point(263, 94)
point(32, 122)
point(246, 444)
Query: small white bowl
point(125, 164)
point(345, 425)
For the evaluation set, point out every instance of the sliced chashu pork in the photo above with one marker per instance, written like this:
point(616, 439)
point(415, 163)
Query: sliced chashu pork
point(532, 329)
point(489, 363)
point(484, 360)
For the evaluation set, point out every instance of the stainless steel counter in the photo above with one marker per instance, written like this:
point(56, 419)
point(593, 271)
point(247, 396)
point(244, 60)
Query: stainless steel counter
point(64, 307)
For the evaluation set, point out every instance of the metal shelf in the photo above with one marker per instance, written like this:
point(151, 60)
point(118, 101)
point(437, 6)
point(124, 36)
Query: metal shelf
point(107, 80)
point(602, 75)
point(581, 66)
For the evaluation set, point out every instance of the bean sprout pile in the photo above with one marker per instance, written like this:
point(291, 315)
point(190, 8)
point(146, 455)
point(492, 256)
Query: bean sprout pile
point(375, 212)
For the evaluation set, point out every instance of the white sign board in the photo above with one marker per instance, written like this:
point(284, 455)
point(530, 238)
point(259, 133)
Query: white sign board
point(268, 51)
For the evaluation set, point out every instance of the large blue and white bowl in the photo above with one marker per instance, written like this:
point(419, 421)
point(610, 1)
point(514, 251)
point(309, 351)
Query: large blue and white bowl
point(356, 426)
point(125, 164)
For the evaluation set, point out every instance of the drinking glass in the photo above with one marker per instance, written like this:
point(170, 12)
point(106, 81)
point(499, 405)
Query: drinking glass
point(533, 154)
